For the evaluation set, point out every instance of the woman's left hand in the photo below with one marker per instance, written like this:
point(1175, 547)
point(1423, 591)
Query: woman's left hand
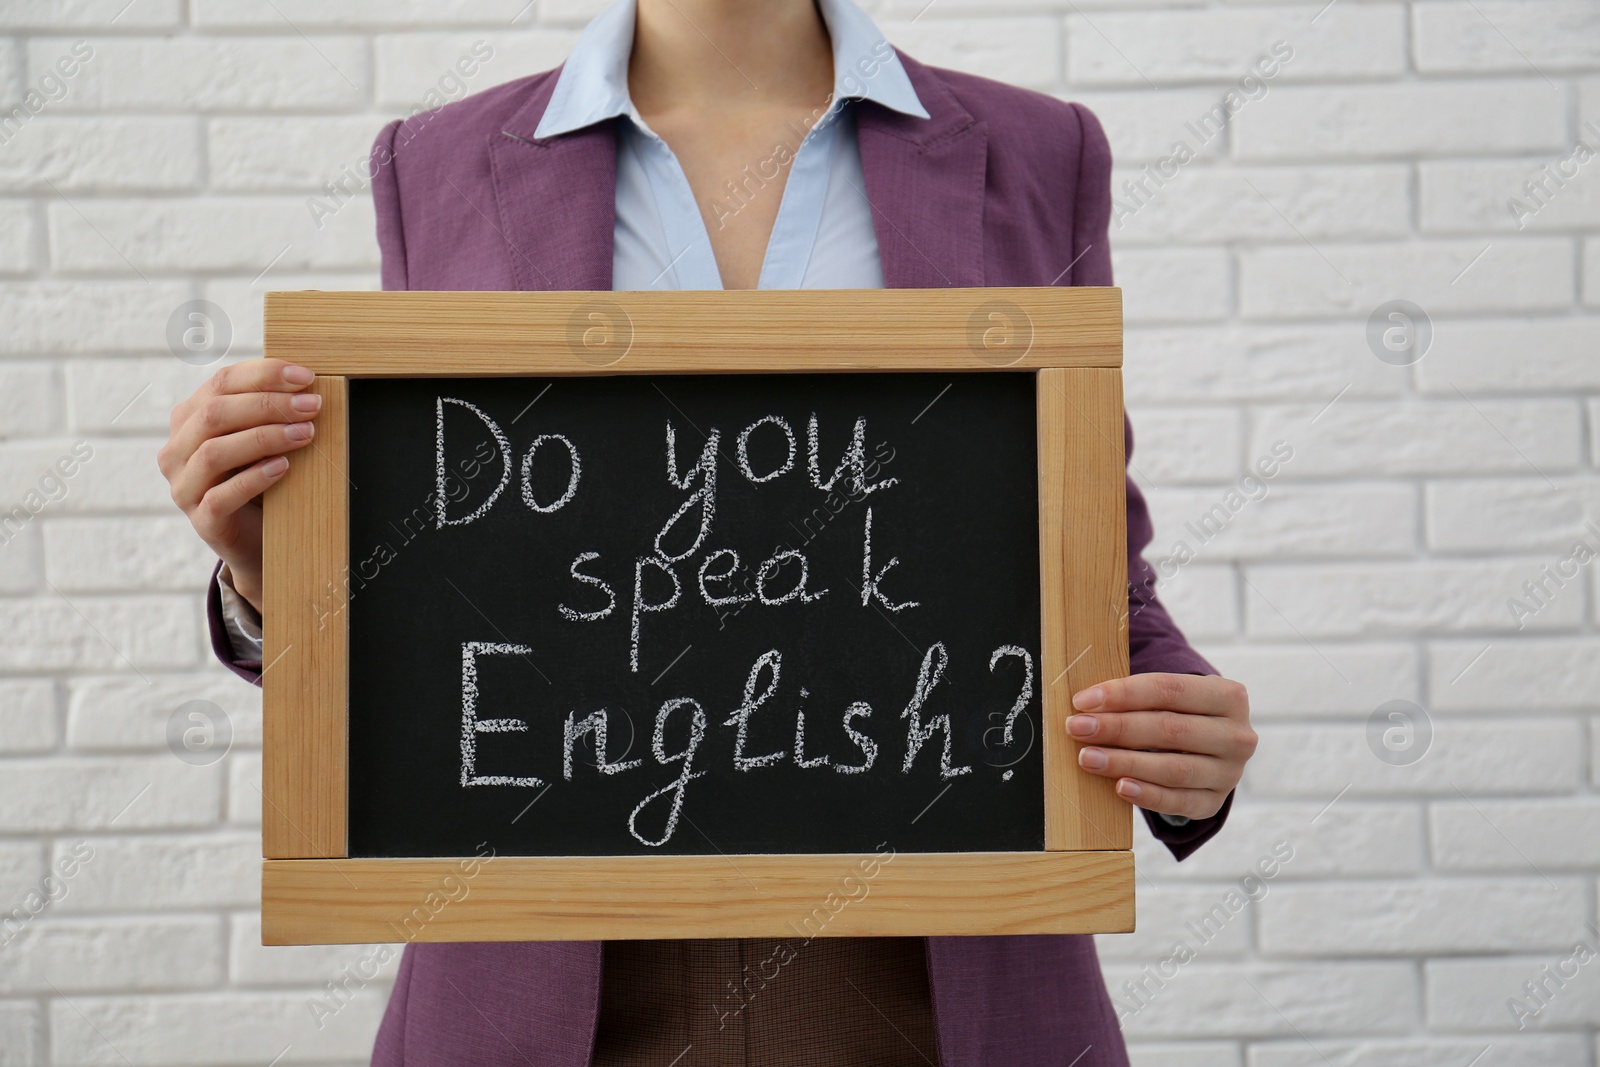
point(1175, 743)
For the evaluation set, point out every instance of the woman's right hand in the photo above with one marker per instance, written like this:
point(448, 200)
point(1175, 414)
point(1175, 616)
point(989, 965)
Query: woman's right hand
point(228, 443)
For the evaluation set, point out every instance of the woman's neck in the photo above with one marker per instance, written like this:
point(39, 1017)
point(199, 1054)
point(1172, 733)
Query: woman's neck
point(725, 57)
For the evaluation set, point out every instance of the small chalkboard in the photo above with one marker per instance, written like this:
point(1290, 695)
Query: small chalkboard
point(694, 614)
point(647, 615)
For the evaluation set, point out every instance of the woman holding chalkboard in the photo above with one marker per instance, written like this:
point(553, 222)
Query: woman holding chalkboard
point(706, 144)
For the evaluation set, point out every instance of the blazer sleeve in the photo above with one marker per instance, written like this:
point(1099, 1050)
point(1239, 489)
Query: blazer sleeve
point(221, 645)
point(1155, 643)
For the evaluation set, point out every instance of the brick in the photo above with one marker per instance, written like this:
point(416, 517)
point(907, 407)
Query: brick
point(21, 554)
point(130, 395)
point(1509, 196)
point(1538, 756)
point(1022, 50)
point(237, 1029)
point(66, 956)
point(1294, 681)
point(244, 789)
point(96, 555)
point(18, 235)
point(1441, 276)
point(89, 14)
point(92, 154)
point(1210, 205)
point(1515, 835)
point(86, 316)
point(1513, 673)
point(1225, 46)
point(1145, 125)
point(1403, 119)
point(1430, 917)
point(1551, 355)
point(1457, 36)
point(1473, 994)
point(421, 71)
point(27, 715)
point(22, 1034)
point(1591, 272)
point(1361, 600)
point(1203, 597)
point(1253, 363)
point(185, 873)
point(59, 795)
point(30, 399)
point(350, 966)
point(1189, 444)
point(1167, 1054)
point(287, 73)
point(1515, 515)
point(1165, 917)
point(1354, 438)
point(11, 81)
point(108, 713)
point(246, 234)
point(1593, 409)
point(102, 633)
point(1211, 1000)
point(1288, 522)
point(242, 300)
point(273, 14)
point(1533, 1050)
point(1345, 839)
point(579, 12)
point(22, 868)
point(300, 152)
point(103, 473)
point(1181, 285)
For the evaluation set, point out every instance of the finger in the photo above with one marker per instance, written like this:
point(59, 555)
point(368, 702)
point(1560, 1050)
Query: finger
point(1174, 692)
point(1176, 770)
point(1171, 731)
point(1190, 803)
point(217, 457)
point(215, 516)
point(218, 416)
point(262, 375)
point(250, 376)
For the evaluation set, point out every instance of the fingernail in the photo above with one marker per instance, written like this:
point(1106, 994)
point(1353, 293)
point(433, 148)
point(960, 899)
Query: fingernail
point(299, 431)
point(1082, 725)
point(306, 402)
point(274, 467)
point(295, 374)
point(1089, 699)
point(1092, 758)
point(1129, 788)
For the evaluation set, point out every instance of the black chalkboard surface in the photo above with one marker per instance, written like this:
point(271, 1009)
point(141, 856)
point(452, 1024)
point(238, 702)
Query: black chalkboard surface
point(710, 614)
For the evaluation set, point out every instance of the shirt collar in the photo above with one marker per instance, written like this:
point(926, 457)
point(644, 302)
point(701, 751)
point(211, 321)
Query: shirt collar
point(593, 83)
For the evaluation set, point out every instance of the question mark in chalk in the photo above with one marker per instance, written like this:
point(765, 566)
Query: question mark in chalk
point(1023, 698)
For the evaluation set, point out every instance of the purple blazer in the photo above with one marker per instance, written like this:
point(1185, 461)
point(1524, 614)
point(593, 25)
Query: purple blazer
point(1001, 186)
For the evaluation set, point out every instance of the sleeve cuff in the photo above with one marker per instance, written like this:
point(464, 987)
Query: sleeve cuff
point(240, 620)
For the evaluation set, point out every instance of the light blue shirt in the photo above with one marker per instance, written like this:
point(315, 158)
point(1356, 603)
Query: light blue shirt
point(823, 235)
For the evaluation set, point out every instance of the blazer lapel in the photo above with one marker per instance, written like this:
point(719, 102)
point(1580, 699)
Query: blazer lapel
point(925, 182)
point(557, 198)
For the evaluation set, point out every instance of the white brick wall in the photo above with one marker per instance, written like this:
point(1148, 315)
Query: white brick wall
point(1374, 165)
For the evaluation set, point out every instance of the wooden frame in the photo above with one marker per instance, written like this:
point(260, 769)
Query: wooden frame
point(1071, 338)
